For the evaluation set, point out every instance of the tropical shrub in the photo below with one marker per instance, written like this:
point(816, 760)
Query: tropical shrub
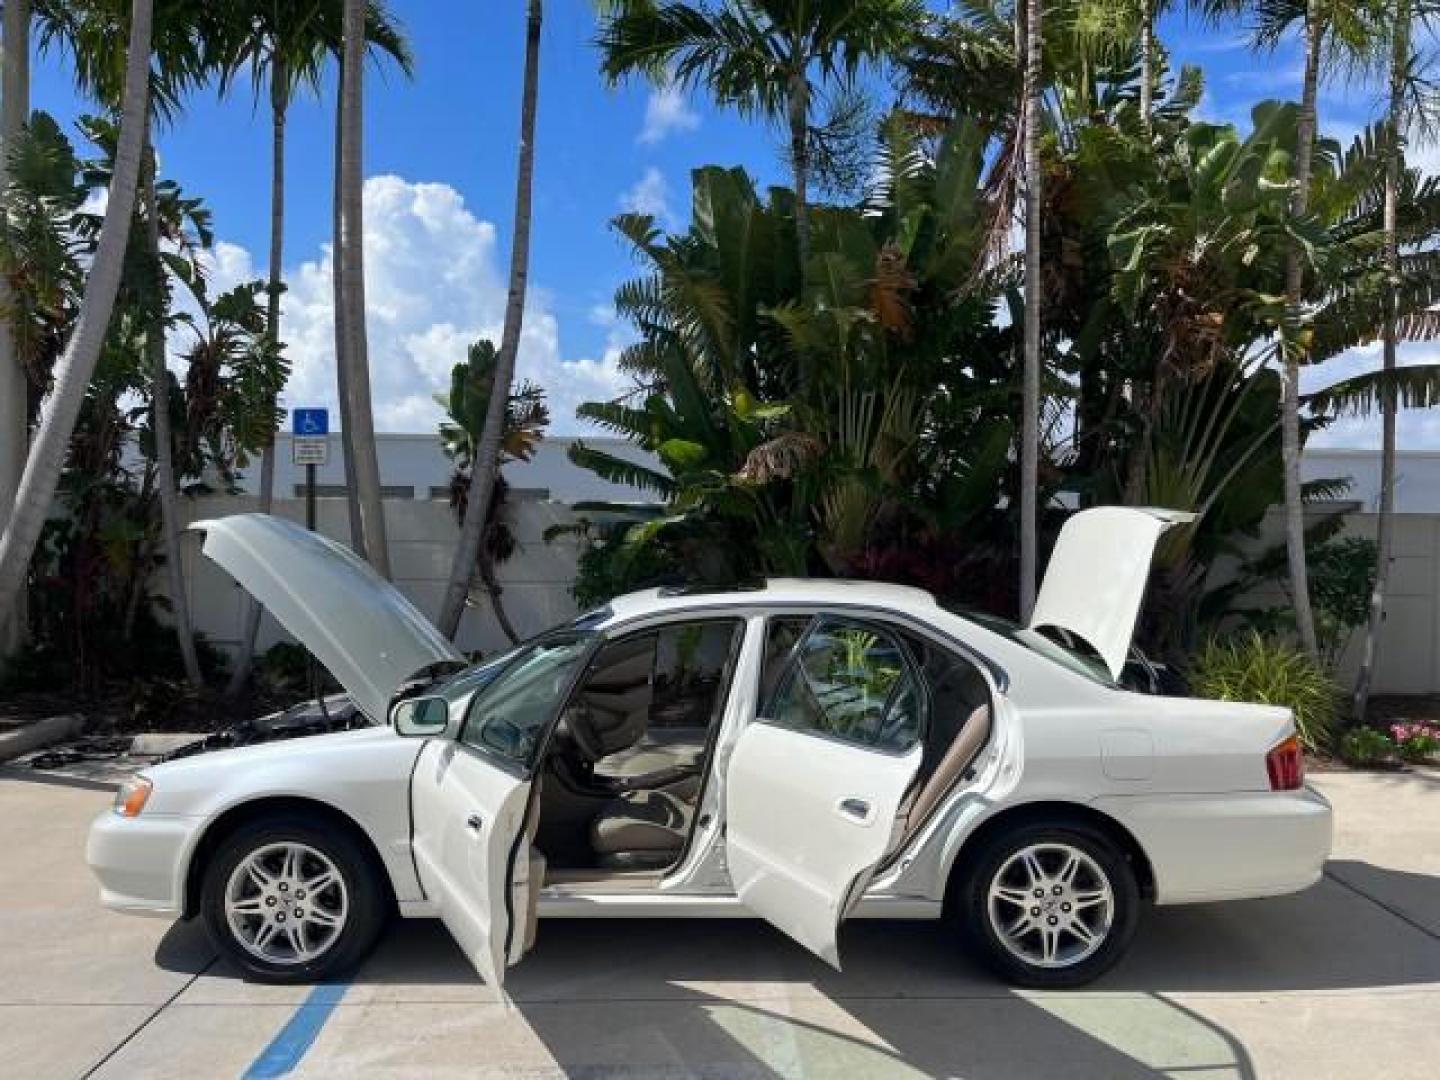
point(1273, 672)
point(1366, 747)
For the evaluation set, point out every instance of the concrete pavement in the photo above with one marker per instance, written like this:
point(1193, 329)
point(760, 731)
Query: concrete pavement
point(1341, 981)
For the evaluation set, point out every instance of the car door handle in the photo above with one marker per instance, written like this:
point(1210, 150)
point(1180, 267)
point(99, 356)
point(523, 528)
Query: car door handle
point(855, 809)
point(474, 822)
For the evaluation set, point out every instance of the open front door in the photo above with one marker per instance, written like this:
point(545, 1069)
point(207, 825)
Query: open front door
point(470, 797)
point(814, 785)
point(469, 835)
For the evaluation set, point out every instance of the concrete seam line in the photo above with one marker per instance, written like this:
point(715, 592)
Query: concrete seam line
point(146, 1022)
point(1384, 906)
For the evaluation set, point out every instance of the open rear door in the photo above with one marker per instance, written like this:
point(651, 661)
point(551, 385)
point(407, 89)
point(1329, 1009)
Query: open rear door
point(814, 786)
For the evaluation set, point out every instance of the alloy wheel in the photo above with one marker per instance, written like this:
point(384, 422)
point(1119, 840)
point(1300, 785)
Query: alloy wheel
point(286, 903)
point(1051, 905)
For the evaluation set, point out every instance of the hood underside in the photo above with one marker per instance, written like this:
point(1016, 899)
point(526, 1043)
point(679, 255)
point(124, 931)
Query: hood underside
point(354, 622)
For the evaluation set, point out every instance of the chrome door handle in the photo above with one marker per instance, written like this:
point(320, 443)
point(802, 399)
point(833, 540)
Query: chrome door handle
point(474, 821)
point(858, 809)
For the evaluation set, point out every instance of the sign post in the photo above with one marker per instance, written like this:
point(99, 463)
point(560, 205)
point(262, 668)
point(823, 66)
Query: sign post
point(310, 446)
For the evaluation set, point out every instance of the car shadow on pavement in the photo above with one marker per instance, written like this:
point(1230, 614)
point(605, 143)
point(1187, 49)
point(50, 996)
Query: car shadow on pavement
point(735, 998)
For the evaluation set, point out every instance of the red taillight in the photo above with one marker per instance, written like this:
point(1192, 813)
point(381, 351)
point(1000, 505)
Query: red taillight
point(1286, 765)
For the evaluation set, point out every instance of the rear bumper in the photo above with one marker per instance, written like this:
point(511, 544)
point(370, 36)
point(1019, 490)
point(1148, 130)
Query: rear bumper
point(1228, 847)
point(140, 862)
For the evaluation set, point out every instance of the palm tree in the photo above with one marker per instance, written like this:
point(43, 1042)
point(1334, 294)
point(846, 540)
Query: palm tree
point(77, 363)
point(526, 417)
point(487, 456)
point(351, 348)
point(758, 56)
point(14, 419)
point(1030, 407)
point(1345, 27)
point(1400, 63)
point(283, 46)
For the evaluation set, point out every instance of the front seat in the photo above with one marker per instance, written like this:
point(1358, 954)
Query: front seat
point(641, 829)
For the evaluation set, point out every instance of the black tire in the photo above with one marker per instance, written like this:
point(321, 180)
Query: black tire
point(971, 909)
point(366, 895)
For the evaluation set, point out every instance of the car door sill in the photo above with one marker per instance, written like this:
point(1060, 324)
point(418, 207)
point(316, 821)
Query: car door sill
point(573, 903)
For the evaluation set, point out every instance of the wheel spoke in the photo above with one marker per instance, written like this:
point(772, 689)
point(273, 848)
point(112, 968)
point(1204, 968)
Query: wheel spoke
point(1068, 871)
point(1049, 944)
point(321, 917)
point(295, 932)
point(1090, 898)
point(320, 881)
point(265, 934)
point(251, 905)
point(1011, 894)
point(1079, 930)
point(1031, 862)
point(290, 868)
point(261, 877)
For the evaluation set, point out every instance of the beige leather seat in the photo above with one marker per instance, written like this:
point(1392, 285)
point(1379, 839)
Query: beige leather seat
point(957, 758)
point(641, 828)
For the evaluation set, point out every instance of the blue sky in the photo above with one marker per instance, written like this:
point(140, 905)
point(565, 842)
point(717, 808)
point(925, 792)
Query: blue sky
point(440, 155)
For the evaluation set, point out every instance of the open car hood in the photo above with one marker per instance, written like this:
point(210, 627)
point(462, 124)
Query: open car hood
point(1096, 579)
point(353, 621)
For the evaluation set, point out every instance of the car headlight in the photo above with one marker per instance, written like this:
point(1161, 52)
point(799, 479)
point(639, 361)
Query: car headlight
point(132, 796)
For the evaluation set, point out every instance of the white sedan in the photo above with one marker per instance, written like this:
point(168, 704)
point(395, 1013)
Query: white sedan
point(803, 752)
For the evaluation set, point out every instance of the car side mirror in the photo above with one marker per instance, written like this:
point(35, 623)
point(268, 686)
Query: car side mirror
point(420, 716)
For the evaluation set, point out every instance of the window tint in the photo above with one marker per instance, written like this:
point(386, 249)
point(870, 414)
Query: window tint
point(508, 716)
point(852, 681)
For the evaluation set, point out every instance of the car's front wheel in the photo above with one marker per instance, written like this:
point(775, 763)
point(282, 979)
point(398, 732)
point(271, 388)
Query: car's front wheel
point(1049, 906)
point(292, 901)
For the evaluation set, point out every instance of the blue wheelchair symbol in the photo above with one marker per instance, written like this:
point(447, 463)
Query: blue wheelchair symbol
point(310, 422)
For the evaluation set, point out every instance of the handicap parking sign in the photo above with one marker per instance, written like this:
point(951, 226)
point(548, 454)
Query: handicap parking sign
point(310, 422)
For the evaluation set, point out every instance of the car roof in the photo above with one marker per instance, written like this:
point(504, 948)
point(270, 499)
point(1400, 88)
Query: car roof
point(779, 591)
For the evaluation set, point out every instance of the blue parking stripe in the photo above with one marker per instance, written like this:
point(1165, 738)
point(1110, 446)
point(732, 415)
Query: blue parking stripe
point(297, 1036)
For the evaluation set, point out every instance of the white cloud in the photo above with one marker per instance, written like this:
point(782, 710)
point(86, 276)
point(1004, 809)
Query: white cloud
point(434, 283)
point(650, 195)
point(667, 112)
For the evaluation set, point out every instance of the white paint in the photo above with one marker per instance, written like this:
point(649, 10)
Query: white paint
point(1095, 581)
point(795, 853)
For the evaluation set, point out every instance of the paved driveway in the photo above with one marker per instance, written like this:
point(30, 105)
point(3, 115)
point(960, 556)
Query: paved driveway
point(1341, 981)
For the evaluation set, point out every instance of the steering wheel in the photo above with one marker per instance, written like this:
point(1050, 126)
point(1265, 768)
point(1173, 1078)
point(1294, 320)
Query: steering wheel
point(577, 723)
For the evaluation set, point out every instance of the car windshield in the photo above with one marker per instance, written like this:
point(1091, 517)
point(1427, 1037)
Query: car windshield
point(1073, 659)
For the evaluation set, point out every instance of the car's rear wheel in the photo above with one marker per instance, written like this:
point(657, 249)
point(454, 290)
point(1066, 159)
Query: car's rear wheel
point(1049, 905)
point(292, 901)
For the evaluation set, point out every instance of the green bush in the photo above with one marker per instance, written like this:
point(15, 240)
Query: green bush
point(1272, 672)
point(1366, 746)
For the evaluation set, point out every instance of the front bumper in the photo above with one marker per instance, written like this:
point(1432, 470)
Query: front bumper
point(1229, 847)
point(140, 862)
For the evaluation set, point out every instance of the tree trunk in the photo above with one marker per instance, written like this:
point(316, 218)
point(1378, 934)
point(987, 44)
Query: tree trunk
point(165, 484)
point(1290, 397)
point(355, 403)
point(1147, 61)
point(245, 659)
point(1030, 408)
point(14, 416)
point(799, 95)
point(492, 586)
point(487, 456)
point(77, 362)
point(1385, 528)
point(342, 380)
